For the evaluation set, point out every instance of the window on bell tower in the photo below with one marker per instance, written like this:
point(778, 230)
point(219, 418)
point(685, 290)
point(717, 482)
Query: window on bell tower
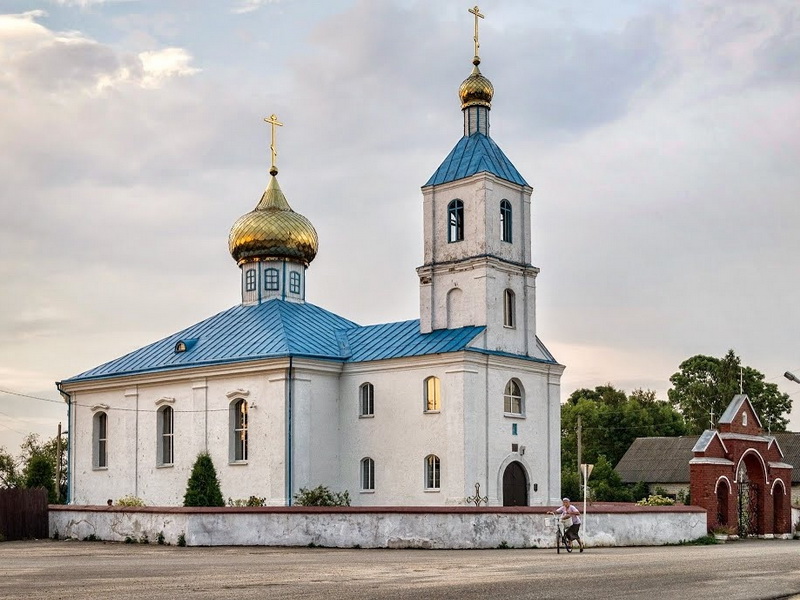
point(505, 221)
point(294, 282)
point(509, 309)
point(455, 219)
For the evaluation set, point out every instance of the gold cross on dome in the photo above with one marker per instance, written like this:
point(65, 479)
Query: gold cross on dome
point(478, 15)
point(273, 121)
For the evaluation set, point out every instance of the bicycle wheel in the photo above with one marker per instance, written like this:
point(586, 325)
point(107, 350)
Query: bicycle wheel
point(567, 544)
point(558, 541)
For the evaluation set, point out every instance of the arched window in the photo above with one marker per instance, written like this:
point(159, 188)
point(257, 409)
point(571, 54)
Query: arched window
point(366, 397)
point(238, 431)
point(455, 219)
point(367, 474)
point(294, 282)
point(166, 434)
point(432, 472)
point(270, 279)
point(505, 221)
point(509, 309)
point(512, 398)
point(100, 438)
point(250, 280)
point(432, 395)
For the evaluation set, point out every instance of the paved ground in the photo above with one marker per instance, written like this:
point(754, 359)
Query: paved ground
point(95, 570)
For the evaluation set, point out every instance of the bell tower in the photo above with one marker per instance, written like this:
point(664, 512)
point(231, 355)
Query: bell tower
point(476, 209)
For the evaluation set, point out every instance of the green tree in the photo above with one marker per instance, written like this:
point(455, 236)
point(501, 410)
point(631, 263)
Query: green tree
point(10, 476)
point(704, 383)
point(39, 472)
point(15, 471)
point(203, 488)
point(611, 420)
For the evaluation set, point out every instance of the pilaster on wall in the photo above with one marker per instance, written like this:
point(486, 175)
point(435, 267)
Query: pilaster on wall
point(200, 415)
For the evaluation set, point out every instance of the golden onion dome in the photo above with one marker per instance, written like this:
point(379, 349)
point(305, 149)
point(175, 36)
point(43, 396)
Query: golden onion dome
point(476, 90)
point(273, 230)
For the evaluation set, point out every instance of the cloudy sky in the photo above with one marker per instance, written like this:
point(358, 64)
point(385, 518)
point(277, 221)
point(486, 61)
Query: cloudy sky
point(662, 139)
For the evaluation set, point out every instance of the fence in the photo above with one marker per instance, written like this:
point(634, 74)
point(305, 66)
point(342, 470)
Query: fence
point(23, 514)
point(375, 527)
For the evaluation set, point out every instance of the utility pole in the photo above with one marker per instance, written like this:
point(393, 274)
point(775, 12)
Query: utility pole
point(58, 464)
point(580, 433)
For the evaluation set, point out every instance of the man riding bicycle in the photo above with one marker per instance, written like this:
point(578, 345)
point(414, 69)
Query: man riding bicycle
point(570, 511)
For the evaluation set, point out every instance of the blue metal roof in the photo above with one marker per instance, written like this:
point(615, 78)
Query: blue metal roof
point(396, 340)
point(279, 328)
point(473, 154)
point(273, 328)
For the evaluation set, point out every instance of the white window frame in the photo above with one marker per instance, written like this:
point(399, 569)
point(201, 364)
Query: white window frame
point(367, 474)
point(366, 400)
point(512, 400)
point(509, 309)
point(239, 433)
point(165, 456)
point(433, 473)
point(506, 221)
point(100, 440)
point(432, 394)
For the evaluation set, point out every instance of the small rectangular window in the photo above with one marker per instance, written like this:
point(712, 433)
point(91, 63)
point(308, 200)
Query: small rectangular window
point(271, 279)
point(250, 280)
point(294, 282)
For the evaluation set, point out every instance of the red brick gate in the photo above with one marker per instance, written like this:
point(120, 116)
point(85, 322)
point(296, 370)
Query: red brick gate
point(738, 474)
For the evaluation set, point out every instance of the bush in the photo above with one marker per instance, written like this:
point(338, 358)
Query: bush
point(321, 496)
point(656, 500)
point(40, 473)
point(203, 486)
point(181, 540)
point(251, 501)
point(160, 538)
point(130, 500)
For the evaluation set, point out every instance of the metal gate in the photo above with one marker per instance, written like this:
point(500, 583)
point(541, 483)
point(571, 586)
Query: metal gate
point(749, 508)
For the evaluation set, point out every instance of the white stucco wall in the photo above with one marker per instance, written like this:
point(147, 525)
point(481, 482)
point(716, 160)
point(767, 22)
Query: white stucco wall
point(456, 528)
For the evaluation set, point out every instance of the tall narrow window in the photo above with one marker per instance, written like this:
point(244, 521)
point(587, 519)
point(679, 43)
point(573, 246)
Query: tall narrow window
point(432, 395)
point(505, 221)
point(239, 431)
point(455, 219)
point(509, 309)
point(100, 435)
point(512, 398)
point(366, 395)
point(294, 282)
point(250, 280)
point(166, 435)
point(367, 474)
point(270, 279)
point(432, 472)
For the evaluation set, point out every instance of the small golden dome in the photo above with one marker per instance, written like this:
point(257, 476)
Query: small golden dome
point(273, 230)
point(476, 90)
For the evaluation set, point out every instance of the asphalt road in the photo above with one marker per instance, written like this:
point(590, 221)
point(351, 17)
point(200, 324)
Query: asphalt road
point(96, 570)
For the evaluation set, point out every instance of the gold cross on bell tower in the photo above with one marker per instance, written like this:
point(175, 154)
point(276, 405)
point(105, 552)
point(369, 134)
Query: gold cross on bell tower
point(478, 15)
point(273, 121)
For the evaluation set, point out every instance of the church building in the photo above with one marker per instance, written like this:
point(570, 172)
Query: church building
point(283, 394)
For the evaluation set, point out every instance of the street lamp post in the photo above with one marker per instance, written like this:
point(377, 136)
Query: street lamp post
point(791, 377)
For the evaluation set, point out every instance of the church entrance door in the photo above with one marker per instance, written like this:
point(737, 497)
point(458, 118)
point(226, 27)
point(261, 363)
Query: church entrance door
point(515, 485)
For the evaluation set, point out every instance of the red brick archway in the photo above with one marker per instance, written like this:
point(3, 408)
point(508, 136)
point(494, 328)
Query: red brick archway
point(738, 475)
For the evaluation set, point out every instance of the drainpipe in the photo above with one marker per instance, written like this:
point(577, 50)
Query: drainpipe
point(289, 441)
point(68, 399)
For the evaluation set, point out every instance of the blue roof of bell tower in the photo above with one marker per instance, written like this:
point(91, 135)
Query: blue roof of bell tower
point(477, 153)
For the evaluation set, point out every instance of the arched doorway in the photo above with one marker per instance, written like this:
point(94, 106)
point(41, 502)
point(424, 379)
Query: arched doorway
point(515, 485)
point(778, 494)
point(723, 491)
point(749, 475)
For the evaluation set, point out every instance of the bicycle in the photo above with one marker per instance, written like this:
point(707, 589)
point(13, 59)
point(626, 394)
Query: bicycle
point(561, 533)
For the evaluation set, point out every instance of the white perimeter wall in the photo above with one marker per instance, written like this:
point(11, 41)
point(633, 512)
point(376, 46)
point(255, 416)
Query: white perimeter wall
point(464, 528)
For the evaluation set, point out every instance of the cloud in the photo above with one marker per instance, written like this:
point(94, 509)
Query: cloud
point(160, 65)
point(247, 6)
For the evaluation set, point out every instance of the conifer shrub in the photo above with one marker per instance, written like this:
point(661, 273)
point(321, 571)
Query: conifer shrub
point(203, 486)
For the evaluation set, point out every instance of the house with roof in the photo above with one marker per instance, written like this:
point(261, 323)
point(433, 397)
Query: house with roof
point(743, 477)
point(283, 394)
